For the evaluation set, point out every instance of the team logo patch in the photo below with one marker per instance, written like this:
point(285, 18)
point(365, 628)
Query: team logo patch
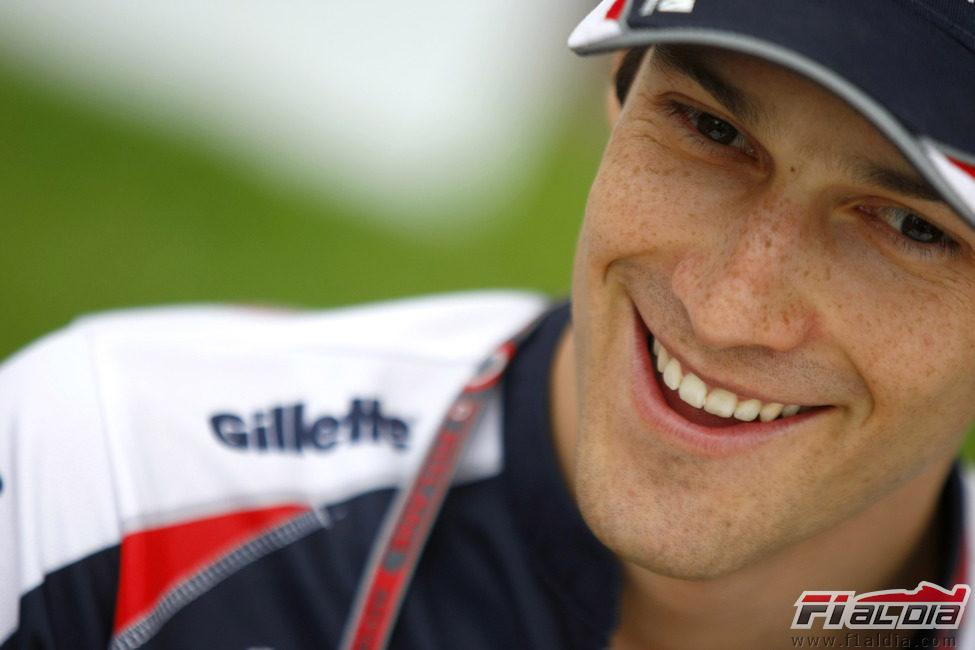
point(928, 607)
point(668, 6)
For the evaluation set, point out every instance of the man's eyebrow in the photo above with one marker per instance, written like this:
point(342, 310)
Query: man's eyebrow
point(907, 184)
point(688, 63)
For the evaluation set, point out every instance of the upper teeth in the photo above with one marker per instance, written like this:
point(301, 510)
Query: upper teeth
point(716, 401)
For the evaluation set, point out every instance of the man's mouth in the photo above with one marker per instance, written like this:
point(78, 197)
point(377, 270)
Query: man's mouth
point(712, 406)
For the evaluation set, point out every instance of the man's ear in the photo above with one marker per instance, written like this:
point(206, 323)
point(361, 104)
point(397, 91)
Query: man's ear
point(626, 63)
point(614, 103)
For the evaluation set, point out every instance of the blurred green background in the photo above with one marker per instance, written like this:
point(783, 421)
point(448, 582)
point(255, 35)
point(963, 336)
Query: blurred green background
point(101, 213)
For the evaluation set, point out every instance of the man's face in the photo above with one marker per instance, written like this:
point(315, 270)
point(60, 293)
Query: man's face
point(783, 251)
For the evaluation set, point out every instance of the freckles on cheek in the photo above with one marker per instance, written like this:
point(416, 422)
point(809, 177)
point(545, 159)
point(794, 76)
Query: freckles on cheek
point(641, 200)
point(623, 223)
point(911, 373)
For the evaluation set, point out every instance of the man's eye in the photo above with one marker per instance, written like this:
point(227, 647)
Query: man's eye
point(915, 234)
point(912, 226)
point(715, 129)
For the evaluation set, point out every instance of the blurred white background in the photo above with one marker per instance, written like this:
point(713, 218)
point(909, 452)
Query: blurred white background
point(413, 108)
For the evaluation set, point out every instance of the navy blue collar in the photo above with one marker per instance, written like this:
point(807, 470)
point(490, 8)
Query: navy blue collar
point(581, 573)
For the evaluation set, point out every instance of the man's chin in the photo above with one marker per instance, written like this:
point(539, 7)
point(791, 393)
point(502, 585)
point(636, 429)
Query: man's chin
point(691, 546)
point(693, 563)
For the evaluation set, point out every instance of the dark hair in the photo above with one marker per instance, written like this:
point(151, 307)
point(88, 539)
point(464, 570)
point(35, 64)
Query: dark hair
point(627, 71)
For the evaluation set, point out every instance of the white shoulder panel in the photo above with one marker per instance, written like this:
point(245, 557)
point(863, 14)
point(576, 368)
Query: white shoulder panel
point(57, 497)
point(141, 418)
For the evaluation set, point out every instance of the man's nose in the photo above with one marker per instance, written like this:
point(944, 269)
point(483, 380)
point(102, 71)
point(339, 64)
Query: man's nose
point(746, 285)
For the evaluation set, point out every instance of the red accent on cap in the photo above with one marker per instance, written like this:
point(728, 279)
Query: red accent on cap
point(965, 167)
point(615, 11)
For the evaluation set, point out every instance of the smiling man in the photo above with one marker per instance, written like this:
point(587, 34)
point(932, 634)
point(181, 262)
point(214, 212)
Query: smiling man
point(764, 395)
point(768, 372)
point(741, 435)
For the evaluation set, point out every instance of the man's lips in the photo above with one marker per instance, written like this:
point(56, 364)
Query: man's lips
point(706, 406)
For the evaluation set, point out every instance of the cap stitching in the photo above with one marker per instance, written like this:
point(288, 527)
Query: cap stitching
point(925, 11)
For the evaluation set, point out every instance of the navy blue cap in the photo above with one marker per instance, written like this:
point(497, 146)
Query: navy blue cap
point(907, 65)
